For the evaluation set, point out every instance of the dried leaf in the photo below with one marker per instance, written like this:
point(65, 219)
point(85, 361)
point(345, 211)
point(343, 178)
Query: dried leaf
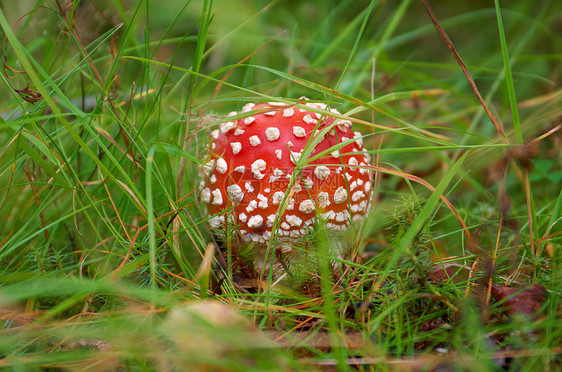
point(28, 94)
point(517, 300)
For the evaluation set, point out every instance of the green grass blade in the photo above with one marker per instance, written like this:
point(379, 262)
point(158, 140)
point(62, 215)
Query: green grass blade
point(509, 77)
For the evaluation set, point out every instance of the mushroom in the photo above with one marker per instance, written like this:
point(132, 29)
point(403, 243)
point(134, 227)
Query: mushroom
point(256, 179)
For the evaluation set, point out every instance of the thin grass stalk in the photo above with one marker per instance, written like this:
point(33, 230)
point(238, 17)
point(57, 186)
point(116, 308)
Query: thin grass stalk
point(509, 77)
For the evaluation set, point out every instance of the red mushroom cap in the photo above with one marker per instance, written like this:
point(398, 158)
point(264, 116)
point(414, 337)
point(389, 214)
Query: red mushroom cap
point(251, 163)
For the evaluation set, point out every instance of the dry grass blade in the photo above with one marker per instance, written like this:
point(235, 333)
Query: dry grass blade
point(465, 71)
point(37, 202)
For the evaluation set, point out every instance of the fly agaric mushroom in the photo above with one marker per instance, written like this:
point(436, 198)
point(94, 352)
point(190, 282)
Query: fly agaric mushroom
point(253, 162)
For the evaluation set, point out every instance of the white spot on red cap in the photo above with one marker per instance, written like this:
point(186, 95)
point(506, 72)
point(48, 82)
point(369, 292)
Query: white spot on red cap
point(291, 205)
point(254, 140)
point(278, 197)
point(285, 226)
point(335, 227)
point(248, 186)
point(215, 134)
point(272, 133)
point(368, 186)
point(288, 112)
point(322, 172)
point(357, 195)
point(323, 199)
point(205, 195)
point(248, 107)
point(249, 120)
point(343, 125)
point(255, 221)
point(221, 166)
point(256, 238)
point(299, 131)
point(359, 138)
point(207, 167)
point(257, 167)
point(252, 206)
point(295, 156)
point(321, 106)
point(279, 154)
point(308, 183)
point(242, 217)
point(270, 113)
point(309, 120)
point(240, 169)
point(217, 197)
point(238, 131)
point(235, 193)
point(236, 147)
point(340, 196)
point(225, 127)
point(358, 218)
point(353, 161)
point(294, 220)
point(263, 201)
point(363, 205)
point(270, 220)
point(306, 206)
point(342, 216)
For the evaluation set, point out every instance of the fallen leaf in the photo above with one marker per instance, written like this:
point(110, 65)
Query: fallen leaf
point(520, 300)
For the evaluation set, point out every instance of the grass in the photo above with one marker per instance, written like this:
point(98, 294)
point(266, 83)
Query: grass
point(106, 260)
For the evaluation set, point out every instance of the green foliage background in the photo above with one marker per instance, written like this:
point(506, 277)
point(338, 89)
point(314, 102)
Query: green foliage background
point(102, 239)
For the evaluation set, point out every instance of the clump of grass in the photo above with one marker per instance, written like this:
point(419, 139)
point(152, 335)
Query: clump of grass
point(404, 214)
